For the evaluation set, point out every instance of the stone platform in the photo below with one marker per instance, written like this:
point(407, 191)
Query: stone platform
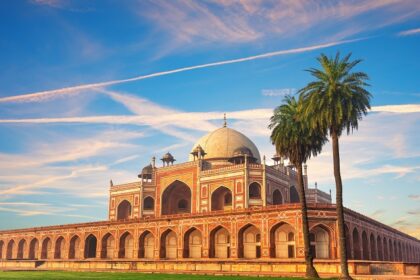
point(365, 269)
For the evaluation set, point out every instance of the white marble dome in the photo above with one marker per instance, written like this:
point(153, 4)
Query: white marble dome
point(223, 142)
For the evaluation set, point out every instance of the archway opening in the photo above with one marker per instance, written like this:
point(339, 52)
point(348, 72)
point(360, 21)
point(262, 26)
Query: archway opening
point(147, 245)
point(59, 248)
point(108, 245)
point(357, 254)
point(277, 197)
point(294, 195)
point(282, 241)
point(319, 238)
point(348, 238)
point(21, 249)
point(379, 247)
point(365, 246)
point(10, 250)
point(168, 245)
point(221, 199)
point(249, 242)
point(219, 243)
point(391, 250)
point(176, 199)
point(74, 249)
point(126, 246)
point(254, 191)
point(46, 248)
point(372, 247)
point(192, 244)
point(124, 210)
point(386, 255)
point(149, 204)
point(90, 246)
point(33, 249)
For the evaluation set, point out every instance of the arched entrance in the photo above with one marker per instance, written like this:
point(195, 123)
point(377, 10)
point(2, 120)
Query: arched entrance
point(282, 241)
point(221, 199)
point(365, 246)
point(192, 244)
point(294, 195)
point(147, 245)
point(46, 249)
point(249, 242)
point(59, 248)
point(320, 242)
point(348, 245)
point(126, 246)
point(357, 254)
point(74, 249)
point(90, 246)
point(373, 249)
point(380, 250)
point(219, 243)
point(277, 198)
point(391, 250)
point(254, 191)
point(108, 245)
point(10, 250)
point(168, 245)
point(21, 249)
point(149, 204)
point(33, 249)
point(176, 199)
point(124, 210)
point(386, 255)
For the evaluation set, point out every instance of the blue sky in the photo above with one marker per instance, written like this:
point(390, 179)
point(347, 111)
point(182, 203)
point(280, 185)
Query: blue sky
point(61, 143)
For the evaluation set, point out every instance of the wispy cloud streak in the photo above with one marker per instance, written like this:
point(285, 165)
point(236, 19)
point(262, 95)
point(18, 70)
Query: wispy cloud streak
point(409, 32)
point(49, 94)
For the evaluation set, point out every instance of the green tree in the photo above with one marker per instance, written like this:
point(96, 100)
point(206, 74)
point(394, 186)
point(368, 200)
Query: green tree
point(335, 102)
point(294, 140)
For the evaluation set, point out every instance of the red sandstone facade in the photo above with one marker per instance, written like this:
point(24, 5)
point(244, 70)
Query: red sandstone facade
point(221, 205)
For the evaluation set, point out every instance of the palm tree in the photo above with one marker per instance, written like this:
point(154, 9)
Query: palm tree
point(334, 102)
point(294, 140)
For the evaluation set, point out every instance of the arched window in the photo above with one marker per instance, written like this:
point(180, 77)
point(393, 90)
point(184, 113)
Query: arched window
point(124, 210)
point(176, 199)
point(149, 203)
point(255, 191)
point(294, 195)
point(277, 197)
point(221, 199)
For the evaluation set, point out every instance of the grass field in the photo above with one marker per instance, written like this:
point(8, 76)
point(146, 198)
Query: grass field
point(61, 275)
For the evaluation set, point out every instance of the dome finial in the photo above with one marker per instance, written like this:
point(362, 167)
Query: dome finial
point(224, 119)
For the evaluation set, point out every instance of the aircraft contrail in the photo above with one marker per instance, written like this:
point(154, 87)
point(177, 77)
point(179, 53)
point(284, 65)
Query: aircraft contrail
point(43, 95)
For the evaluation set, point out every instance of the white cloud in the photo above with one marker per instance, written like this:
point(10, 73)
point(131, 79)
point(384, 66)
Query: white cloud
point(50, 94)
point(409, 32)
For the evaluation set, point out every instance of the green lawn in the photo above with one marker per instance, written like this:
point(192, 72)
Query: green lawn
point(61, 275)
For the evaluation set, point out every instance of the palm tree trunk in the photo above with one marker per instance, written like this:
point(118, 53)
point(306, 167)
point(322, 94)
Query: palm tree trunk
point(310, 269)
point(339, 206)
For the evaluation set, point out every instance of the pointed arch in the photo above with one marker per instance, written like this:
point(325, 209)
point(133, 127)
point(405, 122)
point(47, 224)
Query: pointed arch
point(373, 249)
point(294, 195)
point(193, 243)
point(59, 248)
point(148, 203)
point(319, 237)
point(357, 254)
point(348, 242)
point(74, 248)
point(282, 241)
point(277, 197)
point(365, 246)
point(126, 246)
point(379, 248)
point(10, 250)
point(219, 243)
point(221, 199)
point(22, 248)
point(254, 191)
point(386, 254)
point(124, 210)
point(46, 251)
point(107, 246)
point(249, 242)
point(90, 246)
point(176, 199)
point(1, 249)
point(146, 245)
point(168, 245)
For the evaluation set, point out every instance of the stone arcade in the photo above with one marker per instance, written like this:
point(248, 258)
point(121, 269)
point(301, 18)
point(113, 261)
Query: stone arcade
point(223, 211)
